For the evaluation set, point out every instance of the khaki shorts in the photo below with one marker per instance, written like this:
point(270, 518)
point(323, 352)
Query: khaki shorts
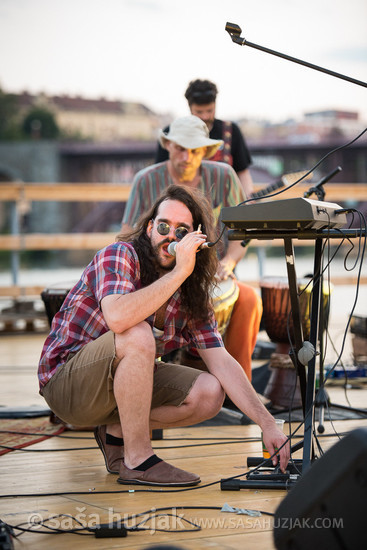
point(81, 391)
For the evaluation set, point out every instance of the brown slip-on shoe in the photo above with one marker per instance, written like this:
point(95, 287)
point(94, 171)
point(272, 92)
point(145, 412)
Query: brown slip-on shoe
point(160, 474)
point(113, 454)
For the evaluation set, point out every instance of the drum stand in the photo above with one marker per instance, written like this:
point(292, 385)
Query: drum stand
point(296, 468)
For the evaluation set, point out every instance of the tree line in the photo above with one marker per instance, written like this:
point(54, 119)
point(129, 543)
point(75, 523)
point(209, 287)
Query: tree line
point(38, 122)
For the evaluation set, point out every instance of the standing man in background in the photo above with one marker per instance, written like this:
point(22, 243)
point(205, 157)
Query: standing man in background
point(201, 96)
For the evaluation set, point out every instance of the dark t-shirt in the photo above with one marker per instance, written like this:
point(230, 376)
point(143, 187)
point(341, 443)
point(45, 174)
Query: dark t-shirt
point(239, 151)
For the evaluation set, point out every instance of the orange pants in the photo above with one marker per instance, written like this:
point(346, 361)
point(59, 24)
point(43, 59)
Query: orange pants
point(243, 328)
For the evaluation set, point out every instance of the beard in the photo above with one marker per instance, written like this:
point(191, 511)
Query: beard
point(156, 251)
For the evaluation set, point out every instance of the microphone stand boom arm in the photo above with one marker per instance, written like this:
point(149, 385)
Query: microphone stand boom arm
point(235, 32)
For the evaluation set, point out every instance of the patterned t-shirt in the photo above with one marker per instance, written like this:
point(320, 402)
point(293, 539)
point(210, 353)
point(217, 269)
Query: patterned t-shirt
point(218, 182)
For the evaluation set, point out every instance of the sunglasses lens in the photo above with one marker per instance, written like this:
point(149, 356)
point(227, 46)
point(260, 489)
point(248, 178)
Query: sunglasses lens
point(180, 232)
point(163, 228)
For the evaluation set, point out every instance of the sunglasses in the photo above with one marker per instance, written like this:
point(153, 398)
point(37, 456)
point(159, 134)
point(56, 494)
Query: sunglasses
point(163, 229)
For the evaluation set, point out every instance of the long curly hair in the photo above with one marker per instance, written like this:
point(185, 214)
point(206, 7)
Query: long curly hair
point(195, 290)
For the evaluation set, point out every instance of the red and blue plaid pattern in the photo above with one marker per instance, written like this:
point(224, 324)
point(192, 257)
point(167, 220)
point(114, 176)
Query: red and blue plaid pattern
point(114, 270)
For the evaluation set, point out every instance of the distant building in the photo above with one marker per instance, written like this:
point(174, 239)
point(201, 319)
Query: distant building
point(95, 119)
point(314, 127)
point(333, 115)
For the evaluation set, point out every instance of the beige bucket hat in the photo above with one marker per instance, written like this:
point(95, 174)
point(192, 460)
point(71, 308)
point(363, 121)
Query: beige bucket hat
point(190, 132)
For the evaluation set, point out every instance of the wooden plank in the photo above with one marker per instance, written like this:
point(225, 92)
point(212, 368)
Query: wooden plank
point(17, 291)
point(78, 192)
point(120, 191)
point(84, 192)
point(57, 241)
point(9, 192)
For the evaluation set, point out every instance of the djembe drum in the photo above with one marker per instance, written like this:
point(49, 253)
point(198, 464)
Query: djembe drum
point(277, 316)
point(278, 323)
point(224, 296)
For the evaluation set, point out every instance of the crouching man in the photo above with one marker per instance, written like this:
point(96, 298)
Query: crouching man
point(134, 303)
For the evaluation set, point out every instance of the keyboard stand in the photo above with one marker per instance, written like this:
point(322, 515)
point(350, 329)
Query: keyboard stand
point(307, 378)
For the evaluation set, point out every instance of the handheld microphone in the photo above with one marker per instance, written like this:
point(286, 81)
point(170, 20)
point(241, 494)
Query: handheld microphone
point(171, 249)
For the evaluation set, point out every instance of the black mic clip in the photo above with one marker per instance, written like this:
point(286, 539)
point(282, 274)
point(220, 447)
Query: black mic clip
point(318, 189)
point(319, 192)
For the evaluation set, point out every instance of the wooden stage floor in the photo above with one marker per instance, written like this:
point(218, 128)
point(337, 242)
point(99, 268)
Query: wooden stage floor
point(214, 452)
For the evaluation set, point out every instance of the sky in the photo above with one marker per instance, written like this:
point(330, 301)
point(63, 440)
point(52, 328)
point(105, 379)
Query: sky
point(149, 50)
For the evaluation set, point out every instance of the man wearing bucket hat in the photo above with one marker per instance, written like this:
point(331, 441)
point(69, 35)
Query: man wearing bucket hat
point(201, 96)
point(189, 146)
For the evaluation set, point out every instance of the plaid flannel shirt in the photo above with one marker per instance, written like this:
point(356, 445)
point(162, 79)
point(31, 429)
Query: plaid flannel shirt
point(115, 270)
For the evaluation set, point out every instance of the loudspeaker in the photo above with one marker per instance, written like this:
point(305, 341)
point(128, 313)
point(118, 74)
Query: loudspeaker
point(327, 506)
